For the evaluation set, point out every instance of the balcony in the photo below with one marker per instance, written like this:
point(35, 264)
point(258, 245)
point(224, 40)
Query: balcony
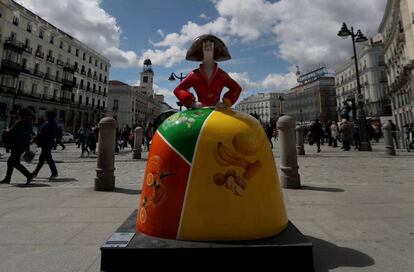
point(13, 44)
point(28, 49)
point(50, 59)
point(60, 62)
point(67, 82)
point(11, 65)
point(40, 54)
point(114, 108)
point(95, 78)
point(39, 73)
point(90, 75)
point(49, 77)
point(83, 72)
point(69, 67)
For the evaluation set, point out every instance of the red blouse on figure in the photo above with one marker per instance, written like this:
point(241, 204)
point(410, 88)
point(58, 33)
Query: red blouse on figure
point(208, 90)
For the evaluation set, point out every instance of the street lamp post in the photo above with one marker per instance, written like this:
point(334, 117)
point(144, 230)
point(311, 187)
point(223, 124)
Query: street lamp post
point(172, 77)
point(363, 133)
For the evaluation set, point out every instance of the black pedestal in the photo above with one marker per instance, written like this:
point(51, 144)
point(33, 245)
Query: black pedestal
point(127, 250)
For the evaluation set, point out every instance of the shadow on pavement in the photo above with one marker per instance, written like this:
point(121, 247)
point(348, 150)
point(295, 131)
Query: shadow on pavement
point(126, 191)
point(328, 256)
point(54, 180)
point(323, 189)
point(31, 185)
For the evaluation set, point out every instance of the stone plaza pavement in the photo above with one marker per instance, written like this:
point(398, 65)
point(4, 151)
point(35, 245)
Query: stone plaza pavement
point(356, 207)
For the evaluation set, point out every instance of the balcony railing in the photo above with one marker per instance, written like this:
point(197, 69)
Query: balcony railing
point(28, 49)
point(40, 54)
point(69, 67)
point(11, 64)
point(83, 72)
point(90, 75)
point(13, 43)
point(67, 82)
point(60, 62)
point(50, 59)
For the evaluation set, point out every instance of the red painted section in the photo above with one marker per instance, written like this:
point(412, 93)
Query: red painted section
point(163, 191)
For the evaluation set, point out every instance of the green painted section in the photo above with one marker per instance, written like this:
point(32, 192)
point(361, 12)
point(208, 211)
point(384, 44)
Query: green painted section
point(181, 130)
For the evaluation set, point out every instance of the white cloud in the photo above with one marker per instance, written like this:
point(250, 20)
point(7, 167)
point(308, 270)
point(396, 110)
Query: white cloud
point(167, 58)
point(159, 31)
point(203, 16)
point(89, 23)
point(279, 82)
point(303, 31)
point(169, 96)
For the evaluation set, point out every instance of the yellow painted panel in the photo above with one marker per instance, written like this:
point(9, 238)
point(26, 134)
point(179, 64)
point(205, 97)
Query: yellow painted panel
point(249, 205)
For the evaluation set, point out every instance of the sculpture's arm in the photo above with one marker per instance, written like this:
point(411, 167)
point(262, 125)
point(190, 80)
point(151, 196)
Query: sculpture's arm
point(182, 91)
point(233, 94)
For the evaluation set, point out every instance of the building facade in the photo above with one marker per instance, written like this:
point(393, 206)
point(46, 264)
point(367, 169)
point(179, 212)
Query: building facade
point(44, 68)
point(314, 97)
point(130, 105)
point(263, 105)
point(397, 30)
point(373, 80)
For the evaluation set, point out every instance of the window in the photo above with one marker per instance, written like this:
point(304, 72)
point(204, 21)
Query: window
point(52, 39)
point(41, 33)
point(100, 66)
point(115, 104)
point(72, 98)
point(24, 63)
point(103, 104)
point(16, 20)
point(93, 102)
point(106, 68)
point(84, 56)
point(90, 59)
point(34, 88)
point(29, 27)
point(96, 62)
point(69, 48)
point(77, 52)
point(145, 79)
point(87, 101)
point(26, 43)
point(13, 36)
point(104, 93)
point(80, 99)
point(61, 45)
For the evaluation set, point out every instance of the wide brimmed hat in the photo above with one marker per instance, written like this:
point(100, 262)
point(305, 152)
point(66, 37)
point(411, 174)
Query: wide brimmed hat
point(195, 53)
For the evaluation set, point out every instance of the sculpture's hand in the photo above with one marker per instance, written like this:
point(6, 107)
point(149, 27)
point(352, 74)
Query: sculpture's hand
point(196, 105)
point(227, 102)
point(220, 105)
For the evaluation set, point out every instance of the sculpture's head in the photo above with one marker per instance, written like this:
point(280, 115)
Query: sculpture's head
point(208, 45)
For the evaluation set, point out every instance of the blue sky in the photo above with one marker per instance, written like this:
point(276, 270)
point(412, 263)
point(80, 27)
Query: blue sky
point(266, 39)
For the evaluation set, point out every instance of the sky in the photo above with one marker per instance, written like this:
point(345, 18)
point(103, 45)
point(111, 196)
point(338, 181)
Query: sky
point(266, 39)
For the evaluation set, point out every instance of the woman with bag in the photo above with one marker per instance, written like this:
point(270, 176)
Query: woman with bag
point(18, 140)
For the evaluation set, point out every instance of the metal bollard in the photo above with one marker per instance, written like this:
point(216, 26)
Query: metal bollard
point(105, 178)
point(300, 149)
point(289, 175)
point(389, 142)
point(138, 132)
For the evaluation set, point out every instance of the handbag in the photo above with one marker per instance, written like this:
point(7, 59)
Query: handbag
point(29, 155)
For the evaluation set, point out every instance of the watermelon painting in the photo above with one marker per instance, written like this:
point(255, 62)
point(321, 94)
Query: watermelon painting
point(211, 175)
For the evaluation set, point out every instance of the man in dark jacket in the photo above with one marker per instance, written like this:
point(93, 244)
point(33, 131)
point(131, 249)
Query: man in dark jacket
point(46, 140)
point(18, 140)
point(317, 133)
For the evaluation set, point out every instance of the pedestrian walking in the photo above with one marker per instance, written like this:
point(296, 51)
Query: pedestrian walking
point(85, 140)
point(59, 137)
point(269, 133)
point(394, 130)
point(334, 133)
point(355, 135)
point(148, 135)
point(18, 141)
point(346, 134)
point(45, 139)
point(316, 133)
